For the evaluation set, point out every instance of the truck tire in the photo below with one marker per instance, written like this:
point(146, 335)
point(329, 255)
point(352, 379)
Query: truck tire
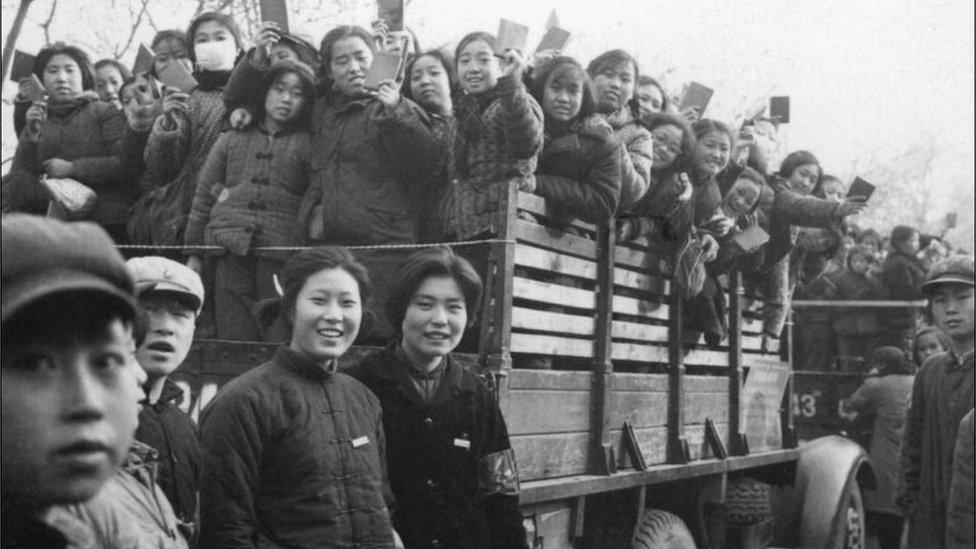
point(747, 501)
point(849, 528)
point(660, 529)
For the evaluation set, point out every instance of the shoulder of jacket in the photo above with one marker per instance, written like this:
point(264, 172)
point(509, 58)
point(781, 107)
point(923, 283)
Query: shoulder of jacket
point(597, 128)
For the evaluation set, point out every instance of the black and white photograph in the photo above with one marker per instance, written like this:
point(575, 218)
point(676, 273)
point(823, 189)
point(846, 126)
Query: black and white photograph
point(469, 274)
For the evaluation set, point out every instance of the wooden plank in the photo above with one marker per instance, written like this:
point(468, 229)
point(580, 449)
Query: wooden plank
point(537, 258)
point(551, 345)
point(751, 343)
point(658, 353)
point(556, 240)
point(641, 280)
point(555, 294)
point(640, 409)
point(640, 332)
point(549, 380)
point(707, 357)
point(532, 319)
point(639, 307)
point(698, 406)
point(652, 441)
point(635, 352)
point(622, 382)
point(600, 457)
point(535, 204)
point(546, 412)
point(565, 488)
point(550, 456)
point(639, 259)
point(707, 384)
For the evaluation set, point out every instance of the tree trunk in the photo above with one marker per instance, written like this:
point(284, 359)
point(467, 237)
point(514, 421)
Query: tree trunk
point(8, 46)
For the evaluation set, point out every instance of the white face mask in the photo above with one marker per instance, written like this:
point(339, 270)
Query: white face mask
point(216, 56)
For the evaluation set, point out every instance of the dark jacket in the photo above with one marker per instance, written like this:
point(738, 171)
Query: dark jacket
point(249, 191)
point(88, 133)
point(499, 134)
point(358, 188)
point(902, 276)
point(165, 427)
point(941, 397)
point(783, 210)
point(452, 468)
point(294, 455)
point(174, 158)
point(848, 286)
point(579, 170)
point(886, 398)
point(959, 522)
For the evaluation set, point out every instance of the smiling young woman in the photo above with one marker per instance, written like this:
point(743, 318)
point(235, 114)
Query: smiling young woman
point(297, 424)
point(448, 448)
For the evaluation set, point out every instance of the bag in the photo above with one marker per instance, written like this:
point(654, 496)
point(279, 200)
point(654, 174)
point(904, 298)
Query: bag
point(689, 269)
point(70, 200)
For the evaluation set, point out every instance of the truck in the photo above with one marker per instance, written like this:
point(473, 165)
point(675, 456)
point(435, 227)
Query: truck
point(635, 437)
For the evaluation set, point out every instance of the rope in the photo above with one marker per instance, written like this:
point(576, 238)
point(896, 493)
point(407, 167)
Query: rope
point(153, 247)
point(861, 303)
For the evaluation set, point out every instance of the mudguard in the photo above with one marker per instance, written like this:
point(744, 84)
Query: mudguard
point(825, 468)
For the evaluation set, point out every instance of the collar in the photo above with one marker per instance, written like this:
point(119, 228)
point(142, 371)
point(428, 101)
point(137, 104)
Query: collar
point(211, 80)
point(415, 372)
point(304, 366)
point(171, 394)
point(289, 129)
point(964, 362)
point(344, 103)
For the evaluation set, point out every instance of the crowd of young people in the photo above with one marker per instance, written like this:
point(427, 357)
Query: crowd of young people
point(281, 145)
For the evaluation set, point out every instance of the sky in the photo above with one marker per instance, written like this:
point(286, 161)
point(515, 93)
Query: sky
point(863, 77)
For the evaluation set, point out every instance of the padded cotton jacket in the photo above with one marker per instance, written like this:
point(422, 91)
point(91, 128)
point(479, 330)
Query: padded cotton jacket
point(294, 456)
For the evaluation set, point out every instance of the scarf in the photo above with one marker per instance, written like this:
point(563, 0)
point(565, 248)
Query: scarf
point(211, 80)
point(63, 108)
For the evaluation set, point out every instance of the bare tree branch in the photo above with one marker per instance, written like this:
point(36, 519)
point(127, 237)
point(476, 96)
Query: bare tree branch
point(12, 35)
point(46, 25)
point(132, 30)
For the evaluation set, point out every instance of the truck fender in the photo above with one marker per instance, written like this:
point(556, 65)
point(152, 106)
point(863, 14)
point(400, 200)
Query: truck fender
point(826, 467)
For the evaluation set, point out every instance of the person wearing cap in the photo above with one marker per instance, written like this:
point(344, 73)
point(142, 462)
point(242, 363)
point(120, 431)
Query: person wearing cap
point(70, 385)
point(170, 296)
point(885, 395)
point(941, 396)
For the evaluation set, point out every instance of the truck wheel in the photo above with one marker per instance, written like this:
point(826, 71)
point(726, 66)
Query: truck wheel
point(747, 501)
point(849, 528)
point(660, 529)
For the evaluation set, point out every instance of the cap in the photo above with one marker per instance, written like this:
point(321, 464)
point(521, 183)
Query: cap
point(159, 274)
point(957, 269)
point(41, 256)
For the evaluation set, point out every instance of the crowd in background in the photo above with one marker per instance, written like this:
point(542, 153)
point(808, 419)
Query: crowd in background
point(281, 145)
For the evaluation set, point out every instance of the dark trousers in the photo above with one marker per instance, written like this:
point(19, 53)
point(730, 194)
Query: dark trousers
point(242, 281)
point(887, 527)
point(818, 345)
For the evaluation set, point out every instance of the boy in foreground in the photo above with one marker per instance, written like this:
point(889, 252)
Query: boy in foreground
point(70, 384)
point(942, 395)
